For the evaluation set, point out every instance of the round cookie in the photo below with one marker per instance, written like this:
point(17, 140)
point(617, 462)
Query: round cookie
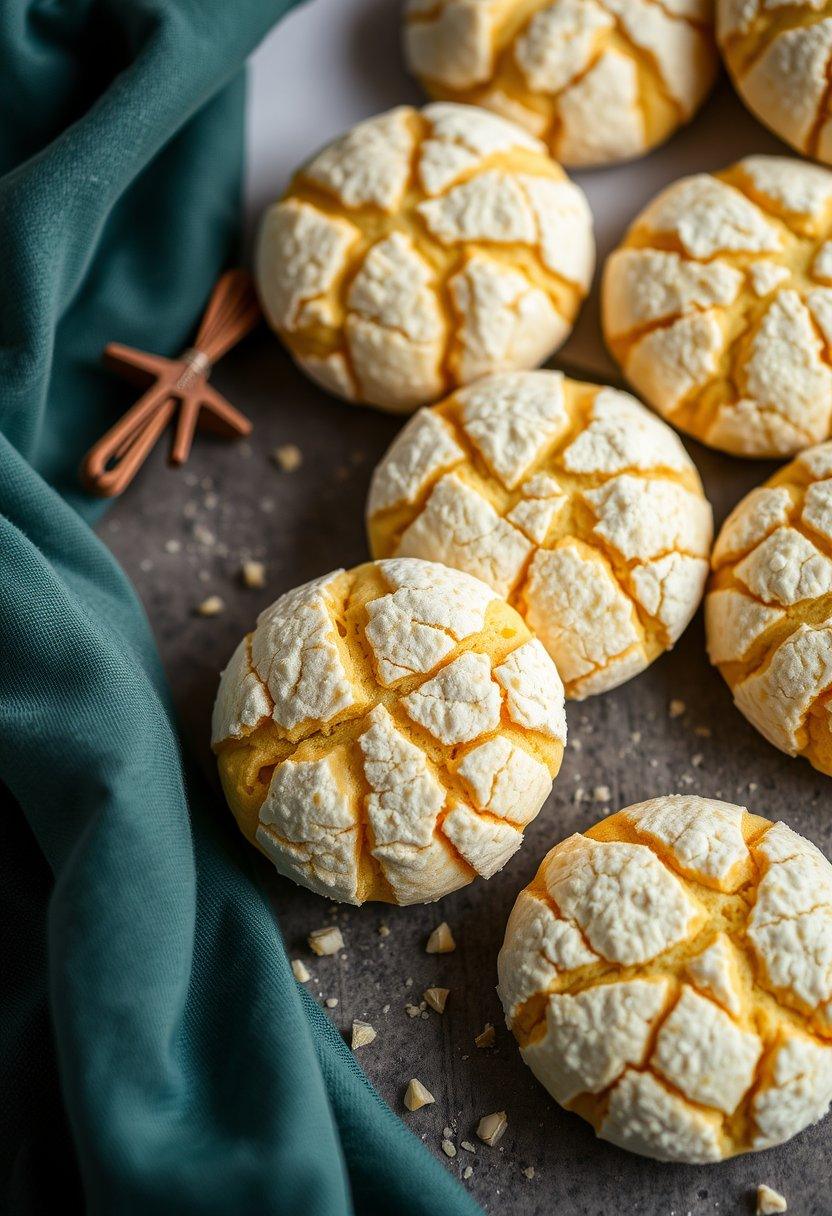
point(599, 80)
point(421, 250)
point(667, 976)
point(768, 612)
point(387, 732)
point(572, 501)
point(779, 53)
point(718, 305)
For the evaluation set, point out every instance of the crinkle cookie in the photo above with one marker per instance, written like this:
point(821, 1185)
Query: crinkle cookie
point(387, 732)
point(668, 976)
point(421, 250)
point(779, 54)
point(718, 305)
point(572, 501)
point(598, 80)
point(768, 612)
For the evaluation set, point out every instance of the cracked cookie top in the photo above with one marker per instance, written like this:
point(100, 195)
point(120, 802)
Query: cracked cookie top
point(572, 501)
point(387, 732)
point(421, 250)
point(668, 976)
point(718, 306)
point(768, 612)
point(598, 80)
point(779, 54)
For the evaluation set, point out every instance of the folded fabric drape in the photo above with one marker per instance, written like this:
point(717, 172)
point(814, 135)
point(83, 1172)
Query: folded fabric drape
point(156, 1055)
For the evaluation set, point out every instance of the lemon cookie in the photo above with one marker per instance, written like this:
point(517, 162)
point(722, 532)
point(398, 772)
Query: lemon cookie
point(719, 309)
point(387, 732)
point(779, 53)
point(572, 501)
point(421, 250)
point(599, 80)
point(768, 612)
point(667, 976)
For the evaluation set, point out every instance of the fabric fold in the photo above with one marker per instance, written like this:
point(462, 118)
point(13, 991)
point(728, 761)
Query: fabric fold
point(145, 975)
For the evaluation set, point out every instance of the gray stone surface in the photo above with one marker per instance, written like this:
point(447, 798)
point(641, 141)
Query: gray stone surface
point(182, 535)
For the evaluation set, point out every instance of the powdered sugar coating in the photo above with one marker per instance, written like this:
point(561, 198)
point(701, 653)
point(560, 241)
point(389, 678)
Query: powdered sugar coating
point(628, 906)
point(683, 1027)
point(702, 1051)
point(555, 66)
point(714, 973)
point(700, 837)
point(242, 701)
point(781, 72)
point(572, 501)
point(713, 308)
point(591, 1037)
point(768, 612)
point(441, 726)
point(377, 267)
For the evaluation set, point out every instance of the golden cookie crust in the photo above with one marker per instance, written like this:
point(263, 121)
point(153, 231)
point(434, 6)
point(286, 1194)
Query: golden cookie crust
point(661, 976)
point(386, 733)
point(599, 80)
point(571, 500)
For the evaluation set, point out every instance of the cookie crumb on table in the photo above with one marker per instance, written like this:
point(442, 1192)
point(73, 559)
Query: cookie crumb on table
point(441, 940)
point(416, 1096)
point(212, 606)
point(288, 457)
point(300, 971)
point(491, 1128)
point(486, 1036)
point(437, 998)
point(254, 574)
point(326, 941)
point(769, 1201)
point(362, 1035)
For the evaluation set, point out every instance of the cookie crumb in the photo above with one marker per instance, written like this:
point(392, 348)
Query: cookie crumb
point(437, 998)
point(448, 1148)
point(601, 793)
point(212, 606)
point(300, 971)
point(331, 1002)
point(362, 1035)
point(384, 930)
point(254, 575)
point(486, 1036)
point(676, 708)
point(468, 1146)
point(491, 1128)
point(326, 941)
point(288, 457)
point(769, 1201)
point(467, 1172)
point(416, 1096)
point(441, 940)
point(529, 1172)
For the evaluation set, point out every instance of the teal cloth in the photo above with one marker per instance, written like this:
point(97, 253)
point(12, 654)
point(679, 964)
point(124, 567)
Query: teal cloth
point(156, 1055)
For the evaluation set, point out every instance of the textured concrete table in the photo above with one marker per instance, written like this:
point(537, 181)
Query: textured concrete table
point(182, 535)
